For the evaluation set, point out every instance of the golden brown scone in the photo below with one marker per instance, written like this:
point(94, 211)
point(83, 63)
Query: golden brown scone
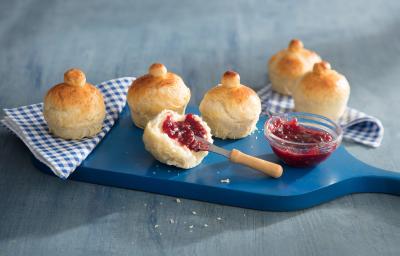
point(152, 93)
point(322, 91)
point(231, 109)
point(168, 150)
point(288, 65)
point(74, 109)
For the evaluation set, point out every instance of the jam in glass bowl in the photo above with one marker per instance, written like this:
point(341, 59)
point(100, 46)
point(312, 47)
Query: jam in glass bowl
point(302, 139)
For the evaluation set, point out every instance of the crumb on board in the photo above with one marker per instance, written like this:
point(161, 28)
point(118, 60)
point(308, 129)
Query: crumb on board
point(219, 218)
point(191, 226)
point(171, 221)
point(194, 212)
point(178, 200)
point(225, 181)
point(205, 225)
point(156, 226)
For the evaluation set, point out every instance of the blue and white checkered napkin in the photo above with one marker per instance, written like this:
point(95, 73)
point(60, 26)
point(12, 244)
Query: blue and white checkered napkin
point(63, 156)
point(358, 126)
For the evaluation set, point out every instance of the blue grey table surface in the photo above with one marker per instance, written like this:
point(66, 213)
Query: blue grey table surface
point(39, 40)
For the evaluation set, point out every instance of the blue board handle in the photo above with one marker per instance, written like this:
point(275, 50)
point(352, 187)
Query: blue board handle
point(377, 180)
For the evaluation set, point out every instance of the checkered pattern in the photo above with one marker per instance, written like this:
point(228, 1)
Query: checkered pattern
point(357, 126)
point(63, 156)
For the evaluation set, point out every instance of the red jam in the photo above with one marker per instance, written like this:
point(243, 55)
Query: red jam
point(184, 131)
point(301, 155)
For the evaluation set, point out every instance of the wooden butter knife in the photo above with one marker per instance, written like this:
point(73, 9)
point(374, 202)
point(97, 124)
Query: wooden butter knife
point(236, 156)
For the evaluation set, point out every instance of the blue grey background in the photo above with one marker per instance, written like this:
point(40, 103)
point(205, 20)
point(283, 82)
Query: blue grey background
point(39, 40)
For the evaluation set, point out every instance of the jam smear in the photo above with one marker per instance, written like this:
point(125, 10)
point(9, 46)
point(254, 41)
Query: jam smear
point(184, 132)
point(301, 156)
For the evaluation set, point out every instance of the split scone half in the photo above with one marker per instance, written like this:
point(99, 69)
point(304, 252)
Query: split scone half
point(170, 138)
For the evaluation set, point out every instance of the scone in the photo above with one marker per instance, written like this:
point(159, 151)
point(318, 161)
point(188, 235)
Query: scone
point(322, 91)
point(152, 93)
point(169, 137)
point(288, 65)
point(231, 109)
point(74, 109)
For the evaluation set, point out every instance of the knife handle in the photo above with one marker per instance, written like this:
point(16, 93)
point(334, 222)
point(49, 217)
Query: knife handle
point(269, 168)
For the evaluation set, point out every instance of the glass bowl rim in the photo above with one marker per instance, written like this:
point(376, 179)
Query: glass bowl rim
point(273, 138)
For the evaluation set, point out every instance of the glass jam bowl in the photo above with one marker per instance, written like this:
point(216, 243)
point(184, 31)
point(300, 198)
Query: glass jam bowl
point(302, 139)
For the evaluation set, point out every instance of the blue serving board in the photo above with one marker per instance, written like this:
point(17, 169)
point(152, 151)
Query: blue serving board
point(120, 160)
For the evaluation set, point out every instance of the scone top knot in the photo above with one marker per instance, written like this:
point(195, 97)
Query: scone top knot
point(321, 67)
point(157, 70)
point(75, 77)
point(321, 77)
point(230, 79)
point(295, 45)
